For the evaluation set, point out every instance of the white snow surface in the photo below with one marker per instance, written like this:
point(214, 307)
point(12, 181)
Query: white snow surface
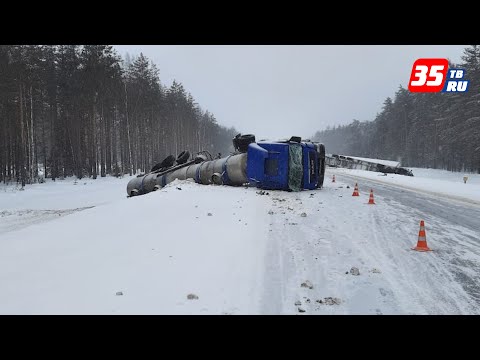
point(154, 249)
point(87, 249)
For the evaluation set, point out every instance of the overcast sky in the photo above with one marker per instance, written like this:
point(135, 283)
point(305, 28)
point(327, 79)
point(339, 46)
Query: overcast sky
point(279, 91)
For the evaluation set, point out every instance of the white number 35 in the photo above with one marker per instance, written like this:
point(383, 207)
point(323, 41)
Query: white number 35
point(421, 73)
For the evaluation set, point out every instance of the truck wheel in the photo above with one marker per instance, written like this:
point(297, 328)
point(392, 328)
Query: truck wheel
point(241, 142)
point(169, 161)
point(183, 157)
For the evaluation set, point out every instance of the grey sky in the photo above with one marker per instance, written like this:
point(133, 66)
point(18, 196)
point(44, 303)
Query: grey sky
point(279, 91)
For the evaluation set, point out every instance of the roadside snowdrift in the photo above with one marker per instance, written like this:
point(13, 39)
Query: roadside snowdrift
point(154, 249)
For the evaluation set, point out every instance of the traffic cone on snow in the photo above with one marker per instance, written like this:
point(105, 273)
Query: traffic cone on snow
point(333, 179)
point(422, 239)
point(355, 191)
point(371, 201)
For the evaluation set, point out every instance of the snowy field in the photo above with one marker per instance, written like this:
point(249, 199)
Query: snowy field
point(53, 199)
point(85, 248)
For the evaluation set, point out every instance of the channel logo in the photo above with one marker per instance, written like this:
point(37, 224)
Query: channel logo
point(433, 75)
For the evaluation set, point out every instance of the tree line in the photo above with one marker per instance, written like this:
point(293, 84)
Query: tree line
point(437, 130)
point(82, 110)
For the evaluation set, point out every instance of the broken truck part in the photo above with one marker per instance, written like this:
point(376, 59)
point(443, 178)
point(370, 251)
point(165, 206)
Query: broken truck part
point(290, 165)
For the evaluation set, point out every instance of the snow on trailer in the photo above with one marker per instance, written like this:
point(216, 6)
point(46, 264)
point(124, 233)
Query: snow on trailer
point(290, 165)
point(390, 163)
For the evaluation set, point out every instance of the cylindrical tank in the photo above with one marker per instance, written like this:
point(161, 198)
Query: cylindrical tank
point(232, 169)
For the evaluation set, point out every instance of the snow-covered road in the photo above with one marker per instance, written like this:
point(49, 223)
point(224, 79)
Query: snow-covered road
point(453, 230)
point(240, 251)
point(341, 231)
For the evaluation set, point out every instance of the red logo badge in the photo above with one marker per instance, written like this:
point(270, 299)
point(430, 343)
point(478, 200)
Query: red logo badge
point(428, 75)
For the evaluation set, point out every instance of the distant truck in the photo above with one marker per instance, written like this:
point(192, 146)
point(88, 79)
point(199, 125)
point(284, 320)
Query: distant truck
point(290, 165)
point(359, 163)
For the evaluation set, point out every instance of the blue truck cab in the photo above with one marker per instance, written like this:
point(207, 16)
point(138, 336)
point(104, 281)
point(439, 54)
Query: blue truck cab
point(291, 165)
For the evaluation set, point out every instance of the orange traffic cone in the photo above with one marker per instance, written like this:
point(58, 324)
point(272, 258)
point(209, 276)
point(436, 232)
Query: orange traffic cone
point(371, 201)
point(333, 179)
point(355, 191)
point(422, 239)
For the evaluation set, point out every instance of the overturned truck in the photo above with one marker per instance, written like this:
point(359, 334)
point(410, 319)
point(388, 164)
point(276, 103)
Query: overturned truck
point(290, 165)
